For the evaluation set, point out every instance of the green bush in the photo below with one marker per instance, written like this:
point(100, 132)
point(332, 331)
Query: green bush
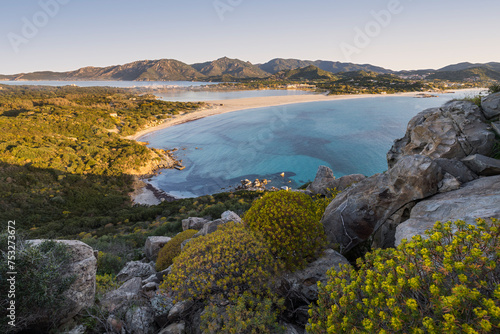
point(172, 249)
point(248, 314)
point(289, 221)
point(109, 263)
point(445, 283)
point(40, 283)
point(227, 262)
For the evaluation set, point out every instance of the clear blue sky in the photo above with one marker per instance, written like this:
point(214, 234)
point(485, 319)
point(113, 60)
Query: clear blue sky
point(419, 34)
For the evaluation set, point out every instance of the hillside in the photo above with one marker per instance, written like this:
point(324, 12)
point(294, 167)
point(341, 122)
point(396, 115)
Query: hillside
point(470, 74)
point(230, 67)
point(310, 72)
point(276, 65)
point(464, 66)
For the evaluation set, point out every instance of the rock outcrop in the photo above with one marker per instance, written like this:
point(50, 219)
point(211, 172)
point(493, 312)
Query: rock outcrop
point(153, 246)
point(355, 214)
point(325, 181)
point(491, 105)
point(476, 199)
point(481, 165)
point(81, 293)
point(193, 223)
point(455, 130)
point(135, 269)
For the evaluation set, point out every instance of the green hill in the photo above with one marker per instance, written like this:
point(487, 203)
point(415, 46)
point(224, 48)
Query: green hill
point(310, 72)
point(230, 67)
point(279, 64)
point(471, 74)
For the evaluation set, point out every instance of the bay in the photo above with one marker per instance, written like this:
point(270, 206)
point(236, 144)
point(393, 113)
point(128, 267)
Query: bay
point(349, 136)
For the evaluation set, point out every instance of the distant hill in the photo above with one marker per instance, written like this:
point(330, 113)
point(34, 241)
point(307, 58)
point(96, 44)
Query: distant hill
point(145, 70)
point(310, 72)
point(470, 74)
point(280, 64)
point(465, 66)
point(230, 67)
point(227, 69)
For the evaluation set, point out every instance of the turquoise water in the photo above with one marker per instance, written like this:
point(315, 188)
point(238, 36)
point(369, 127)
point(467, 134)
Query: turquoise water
point(118, 84)
point(349, 136)
point(190, 95)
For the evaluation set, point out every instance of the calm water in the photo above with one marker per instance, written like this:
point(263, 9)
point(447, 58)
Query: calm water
point(349, 136)
point(118, 84)
point(189, 95)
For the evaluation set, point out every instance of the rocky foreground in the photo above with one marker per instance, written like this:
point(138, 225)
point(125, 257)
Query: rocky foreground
point(440, 170)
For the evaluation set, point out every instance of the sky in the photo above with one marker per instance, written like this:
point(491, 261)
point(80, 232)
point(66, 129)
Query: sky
point(62, 35)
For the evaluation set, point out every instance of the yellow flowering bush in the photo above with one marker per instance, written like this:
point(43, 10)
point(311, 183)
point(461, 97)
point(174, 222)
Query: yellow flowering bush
point(290, 222)
point(247, 313)
point(172, 249)
point(445, 283)
point(227, 262)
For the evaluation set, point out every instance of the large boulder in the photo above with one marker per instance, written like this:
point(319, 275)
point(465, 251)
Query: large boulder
point(325, 181)
point(482, 165)
point(491, 105)
point(140, 320)
point(127, 294)
point(153, 246)
point(476, 199)
point(457, 169)
point(454, 131)
point(193, 223)
point(135, 269)
point(230, 216)
point(209, 227)
point(356, 213)
point(83, 267)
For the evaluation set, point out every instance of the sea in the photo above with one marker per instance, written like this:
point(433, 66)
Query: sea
point(350, 136)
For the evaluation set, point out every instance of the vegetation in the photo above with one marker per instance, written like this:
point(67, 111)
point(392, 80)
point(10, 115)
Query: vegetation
point(40, 283)
point(495, 88)
point(289, 221)
point(172, 249)
point(447, 282)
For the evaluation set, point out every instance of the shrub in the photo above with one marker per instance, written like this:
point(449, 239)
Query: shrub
point(446, 283)
point(105, 283)
point(249, 313)
point(495, 88)
point(227, 262)
point(289, 221)
point(172, 249)
point(40, 283)
point(109, 263)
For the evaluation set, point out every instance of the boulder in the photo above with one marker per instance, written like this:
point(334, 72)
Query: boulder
point(153, 246)
point(482, 165)
point(325, 181)
point(491, 105)
point(153, 278)
point(81, 293)
point(356, 213)
point(496, 127)
point(209, 227)
point(448, 183)
point(124, 296)
point(384, 237)
point(193, 223)
point(140, 320)
point(177, 328)
point(303, 283)
point(476, 199)
point(300, 288)
point(230, 216)
point(454, 131)
point(135, 269)
point(161, 306)
point(179, 310)
point(457, 169)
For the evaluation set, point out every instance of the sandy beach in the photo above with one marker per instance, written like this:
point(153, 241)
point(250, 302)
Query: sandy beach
point(225, 106)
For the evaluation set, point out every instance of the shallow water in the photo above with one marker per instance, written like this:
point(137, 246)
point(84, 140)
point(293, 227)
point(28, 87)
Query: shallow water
point(349, 136)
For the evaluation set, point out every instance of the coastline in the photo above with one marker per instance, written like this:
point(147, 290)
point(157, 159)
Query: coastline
point(224, 106)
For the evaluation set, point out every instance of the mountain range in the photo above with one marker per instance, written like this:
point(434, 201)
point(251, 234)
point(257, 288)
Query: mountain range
point(227, 69)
